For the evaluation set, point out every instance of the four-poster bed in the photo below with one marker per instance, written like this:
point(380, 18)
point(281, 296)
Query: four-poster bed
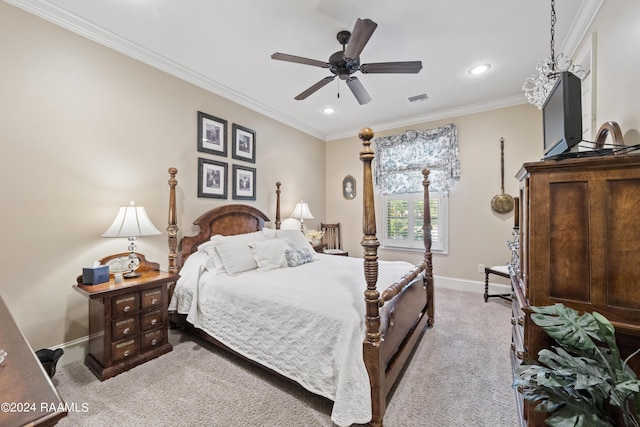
point(324, 312)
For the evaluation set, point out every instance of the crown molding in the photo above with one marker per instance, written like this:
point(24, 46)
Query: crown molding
point(480, 107)
point(86, 29)
point(580, 26)
point(62, 18)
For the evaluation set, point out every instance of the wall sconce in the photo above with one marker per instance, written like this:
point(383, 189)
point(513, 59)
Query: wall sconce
point(132, 221)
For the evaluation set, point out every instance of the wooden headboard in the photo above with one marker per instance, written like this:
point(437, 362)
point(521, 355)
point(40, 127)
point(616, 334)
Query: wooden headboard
point(227, 220)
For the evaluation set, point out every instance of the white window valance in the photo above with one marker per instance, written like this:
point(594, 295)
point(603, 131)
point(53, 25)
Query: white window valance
point(400, 159)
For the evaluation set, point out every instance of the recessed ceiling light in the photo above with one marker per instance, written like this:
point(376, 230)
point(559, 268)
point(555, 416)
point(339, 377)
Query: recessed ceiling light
point(329, 110)
point(479, 69)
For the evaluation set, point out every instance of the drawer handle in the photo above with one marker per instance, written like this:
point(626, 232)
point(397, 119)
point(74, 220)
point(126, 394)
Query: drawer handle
point(154, 341)
point(126, 331)
point(520, 320)
point(154, 301)
point(127, 308)
point(126, 353)
point(154, 321)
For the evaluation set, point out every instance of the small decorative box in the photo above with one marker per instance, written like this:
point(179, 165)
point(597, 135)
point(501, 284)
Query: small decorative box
point(95, 275)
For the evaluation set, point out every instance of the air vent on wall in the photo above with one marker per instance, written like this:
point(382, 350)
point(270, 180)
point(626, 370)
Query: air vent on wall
point(422, 98)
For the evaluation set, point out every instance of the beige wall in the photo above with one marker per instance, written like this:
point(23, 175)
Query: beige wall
point(477, 235)
point(617, 58)
point(84, 130)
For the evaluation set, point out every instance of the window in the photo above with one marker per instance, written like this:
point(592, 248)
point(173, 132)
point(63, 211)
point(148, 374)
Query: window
point(403, 217)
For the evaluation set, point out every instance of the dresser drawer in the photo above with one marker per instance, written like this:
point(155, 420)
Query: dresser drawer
point(124, 349)
point(126, 304)
point(153, 339)
point(124, 328)
point(151, 320)
point(152, 298)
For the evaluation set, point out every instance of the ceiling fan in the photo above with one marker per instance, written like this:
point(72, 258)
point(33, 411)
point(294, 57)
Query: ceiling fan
point(346, 62)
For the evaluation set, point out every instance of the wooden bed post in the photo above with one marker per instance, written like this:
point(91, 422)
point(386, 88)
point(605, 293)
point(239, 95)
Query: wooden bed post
point(172, 228)
point(370, 244)
point(278, 222)
point(426, 227)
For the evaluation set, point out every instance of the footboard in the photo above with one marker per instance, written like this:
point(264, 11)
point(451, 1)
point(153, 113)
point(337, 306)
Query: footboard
point(409, 311)
point(409, 300)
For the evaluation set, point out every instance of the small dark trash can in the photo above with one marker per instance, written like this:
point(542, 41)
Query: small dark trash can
point(49, 359)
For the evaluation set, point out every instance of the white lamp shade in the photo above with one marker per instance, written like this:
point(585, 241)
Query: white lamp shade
point(302, 211)
point(131, 221)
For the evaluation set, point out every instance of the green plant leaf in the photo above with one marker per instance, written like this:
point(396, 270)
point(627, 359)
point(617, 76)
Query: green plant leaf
point(579, 380)
point(567, 327)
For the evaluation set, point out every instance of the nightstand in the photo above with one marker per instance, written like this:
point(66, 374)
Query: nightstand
point(128, 322)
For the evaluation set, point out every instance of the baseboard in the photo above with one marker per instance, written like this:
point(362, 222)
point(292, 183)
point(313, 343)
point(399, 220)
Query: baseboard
point(76, 350)
point(469, 285)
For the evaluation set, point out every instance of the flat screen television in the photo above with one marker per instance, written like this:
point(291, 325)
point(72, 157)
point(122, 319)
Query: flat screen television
point(562, 115)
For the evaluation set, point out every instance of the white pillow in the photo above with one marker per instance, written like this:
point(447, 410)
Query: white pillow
point(270, 233)
point(297, 240)
point(214, 263)
point(235, 253)
point(270, 254)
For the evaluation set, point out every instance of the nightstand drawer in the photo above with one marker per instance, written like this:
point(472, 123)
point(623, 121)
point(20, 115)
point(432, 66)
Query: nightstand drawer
point(124, 328)
point(125, 304)
point(124, 349)
point(152, 298)
point(152, 319)
point(152, 339)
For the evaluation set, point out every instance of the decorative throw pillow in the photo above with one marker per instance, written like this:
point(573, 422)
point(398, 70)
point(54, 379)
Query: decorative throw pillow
point(269, 254)
point(296, 257)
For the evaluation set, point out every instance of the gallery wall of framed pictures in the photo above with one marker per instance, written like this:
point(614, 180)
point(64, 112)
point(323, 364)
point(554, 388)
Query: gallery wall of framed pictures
point(213, 175)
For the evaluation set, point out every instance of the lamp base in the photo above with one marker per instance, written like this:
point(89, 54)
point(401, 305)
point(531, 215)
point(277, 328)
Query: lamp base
point(131, 275)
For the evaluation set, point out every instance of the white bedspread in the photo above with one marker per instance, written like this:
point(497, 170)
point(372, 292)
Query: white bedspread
point(305, 322)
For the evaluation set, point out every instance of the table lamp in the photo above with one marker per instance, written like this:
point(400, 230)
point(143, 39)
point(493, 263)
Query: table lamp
point(301, 212)
point(132, 221)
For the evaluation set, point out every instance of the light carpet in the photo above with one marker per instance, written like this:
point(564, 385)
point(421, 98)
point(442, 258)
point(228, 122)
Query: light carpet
point(459, 375)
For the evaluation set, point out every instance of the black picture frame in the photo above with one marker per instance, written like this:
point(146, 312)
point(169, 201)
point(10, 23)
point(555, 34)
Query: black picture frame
point(349, 187)
point(212, 179)
point(244, 183)
point(212, 134)
point(244, 143)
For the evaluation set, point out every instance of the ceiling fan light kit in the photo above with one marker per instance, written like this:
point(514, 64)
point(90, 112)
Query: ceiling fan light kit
point(346, 62)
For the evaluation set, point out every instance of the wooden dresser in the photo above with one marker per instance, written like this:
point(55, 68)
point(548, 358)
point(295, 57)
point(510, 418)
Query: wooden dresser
point(128, 322)
point(27, 395)
point(577, 243)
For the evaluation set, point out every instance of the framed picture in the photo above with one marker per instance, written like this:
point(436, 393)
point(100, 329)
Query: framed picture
point(349, 187)
point(244, 144)
point(212, 179)
point(212, 134)
point(244, 183)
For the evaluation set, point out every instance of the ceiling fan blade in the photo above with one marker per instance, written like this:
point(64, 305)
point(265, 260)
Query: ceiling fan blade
point(322, 83)
point(358, 90)
point(392, 67)
point(299, 60)
point(360, 35)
